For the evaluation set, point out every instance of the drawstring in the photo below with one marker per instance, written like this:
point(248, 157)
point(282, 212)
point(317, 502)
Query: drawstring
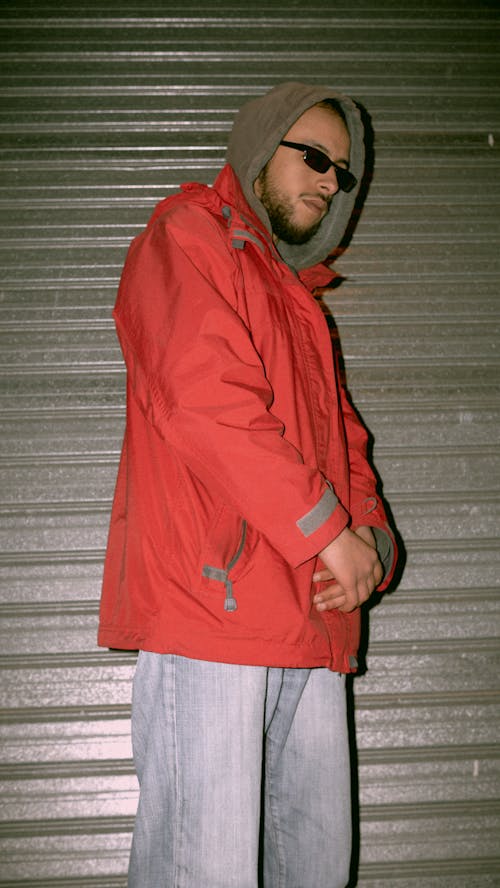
point(218, 573)
point(230, 603)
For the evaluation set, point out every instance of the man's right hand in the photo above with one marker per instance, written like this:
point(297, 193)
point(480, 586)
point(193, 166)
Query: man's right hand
point(353, 565)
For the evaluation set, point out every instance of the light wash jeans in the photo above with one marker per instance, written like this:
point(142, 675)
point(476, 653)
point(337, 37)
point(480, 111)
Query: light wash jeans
point(239, 764)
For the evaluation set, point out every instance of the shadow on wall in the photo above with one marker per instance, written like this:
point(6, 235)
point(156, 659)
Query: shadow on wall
point(375, 599)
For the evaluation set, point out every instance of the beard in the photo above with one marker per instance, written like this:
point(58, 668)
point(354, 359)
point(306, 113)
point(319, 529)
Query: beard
point(280, 212)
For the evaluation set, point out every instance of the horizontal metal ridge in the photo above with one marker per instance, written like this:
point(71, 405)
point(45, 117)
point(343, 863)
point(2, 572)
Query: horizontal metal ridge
point(384, 406)
point(104, 658)
point(439, 450)
point(400, 755)
point(69, 411)
point(67, 882)
point(366, 758)
point(417, 869)
point(428, 406)
point(184, 124)
point(104, 368)
point(387, 53)
point(105, 240)
point(404, 597)
point(56, 325)
point(267, 17)
point(444, 596)
point(388, 361)
point(394, 276)
point(76, 556)
point(396, 811)
point(66, 826)
point(387, 873)
point(60, 556)
point(66, 769)
point(48, 608)
point(352, 361)
point(68, 366)
point(420, 647)
point(60, 459)
point(361, 319)
point(86, 285)
point(100, 658)
point(420, 700)
point(441, 497)
point(387, 450)
point(479, 544)
point(44, 714)
point(92, 507)
point(453, 323)
point(149, 85)
point(109, 712)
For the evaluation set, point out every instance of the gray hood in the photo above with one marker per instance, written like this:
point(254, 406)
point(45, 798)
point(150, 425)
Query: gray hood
point(258, 129)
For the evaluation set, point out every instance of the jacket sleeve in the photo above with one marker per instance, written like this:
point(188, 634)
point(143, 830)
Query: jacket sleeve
point(198, 379)
point(366, 506)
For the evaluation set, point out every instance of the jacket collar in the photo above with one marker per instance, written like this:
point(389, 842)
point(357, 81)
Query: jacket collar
point(230, 191)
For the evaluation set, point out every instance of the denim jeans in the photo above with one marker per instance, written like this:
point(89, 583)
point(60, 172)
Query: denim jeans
point(244, 776)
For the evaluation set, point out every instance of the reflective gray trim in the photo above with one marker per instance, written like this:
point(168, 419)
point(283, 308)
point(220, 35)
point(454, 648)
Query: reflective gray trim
point(214, 573)
point(240, 235)
point(222, 576)
point(321, 512)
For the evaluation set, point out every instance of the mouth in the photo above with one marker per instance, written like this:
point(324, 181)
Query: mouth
point(316, 204)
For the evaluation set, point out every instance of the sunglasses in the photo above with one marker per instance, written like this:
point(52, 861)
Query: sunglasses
point(320, 162)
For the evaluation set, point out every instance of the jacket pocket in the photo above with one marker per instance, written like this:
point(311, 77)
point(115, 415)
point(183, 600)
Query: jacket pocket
point(224, 555)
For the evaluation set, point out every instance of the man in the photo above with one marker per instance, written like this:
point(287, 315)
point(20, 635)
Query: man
point(246, 528)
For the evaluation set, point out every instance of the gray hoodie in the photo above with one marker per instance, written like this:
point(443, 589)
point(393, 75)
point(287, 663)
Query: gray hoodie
point(258, 129)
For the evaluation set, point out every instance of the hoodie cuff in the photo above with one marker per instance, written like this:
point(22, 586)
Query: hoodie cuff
point(385, 548)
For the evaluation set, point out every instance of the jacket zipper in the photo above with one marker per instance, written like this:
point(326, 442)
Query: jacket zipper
point(222, 575)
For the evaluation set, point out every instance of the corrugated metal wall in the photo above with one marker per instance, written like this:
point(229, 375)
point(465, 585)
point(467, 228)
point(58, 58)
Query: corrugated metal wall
point(107, 107)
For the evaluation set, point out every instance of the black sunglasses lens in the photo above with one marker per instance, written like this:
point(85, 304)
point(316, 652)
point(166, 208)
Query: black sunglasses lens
point(316, 160)
point(345, 179)
point(320, 162)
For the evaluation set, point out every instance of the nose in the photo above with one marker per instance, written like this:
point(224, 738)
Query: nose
point(327, 183)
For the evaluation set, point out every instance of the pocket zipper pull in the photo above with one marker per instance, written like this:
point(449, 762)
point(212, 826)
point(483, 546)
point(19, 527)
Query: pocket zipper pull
point(230, 603)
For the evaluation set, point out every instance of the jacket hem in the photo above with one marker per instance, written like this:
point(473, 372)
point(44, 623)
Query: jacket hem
point(235, 650)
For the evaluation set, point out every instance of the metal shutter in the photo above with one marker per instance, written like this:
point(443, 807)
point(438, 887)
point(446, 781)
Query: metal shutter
point(106, 108)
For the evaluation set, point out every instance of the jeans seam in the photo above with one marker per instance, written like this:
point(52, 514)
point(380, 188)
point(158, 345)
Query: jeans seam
point(275, 821)
point(177, 827)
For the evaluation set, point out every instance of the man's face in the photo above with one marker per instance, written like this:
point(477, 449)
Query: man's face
point(295, 196)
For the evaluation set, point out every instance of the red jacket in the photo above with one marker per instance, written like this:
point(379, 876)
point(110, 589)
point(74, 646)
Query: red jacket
point(242, 457)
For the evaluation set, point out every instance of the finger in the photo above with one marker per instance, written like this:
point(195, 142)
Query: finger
point(337, 603)
point(355, 598)
point(333, 596)
point(321, 576)
point(334, 589)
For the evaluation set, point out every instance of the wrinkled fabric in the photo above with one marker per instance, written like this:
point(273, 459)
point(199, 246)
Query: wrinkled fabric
point(237, 429)
point(242, 457)
point(200, 733)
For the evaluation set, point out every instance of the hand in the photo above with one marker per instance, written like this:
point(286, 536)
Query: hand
point(351, 561)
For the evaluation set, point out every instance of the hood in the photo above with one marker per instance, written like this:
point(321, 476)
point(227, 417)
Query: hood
point(258, 129)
